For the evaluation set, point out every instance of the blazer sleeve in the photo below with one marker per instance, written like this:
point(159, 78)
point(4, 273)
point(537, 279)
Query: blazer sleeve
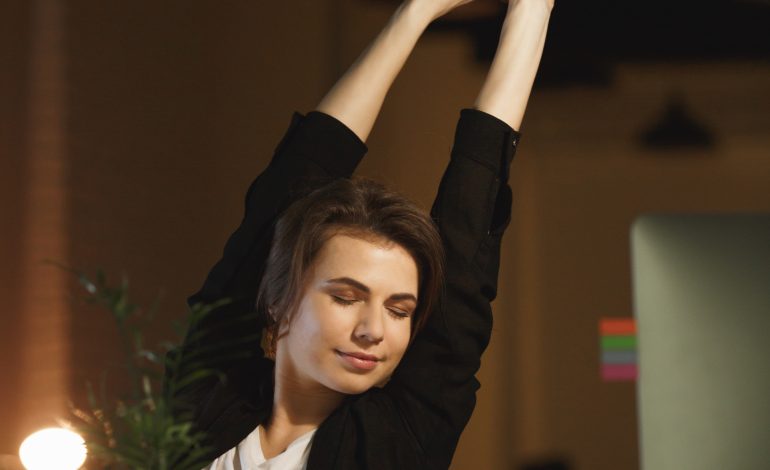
point(315, 148)
point(434, 386)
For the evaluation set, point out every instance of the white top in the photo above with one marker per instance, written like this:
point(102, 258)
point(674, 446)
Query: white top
point(248, 455)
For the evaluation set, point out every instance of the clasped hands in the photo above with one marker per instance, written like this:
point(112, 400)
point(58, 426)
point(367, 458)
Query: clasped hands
point(437, 8)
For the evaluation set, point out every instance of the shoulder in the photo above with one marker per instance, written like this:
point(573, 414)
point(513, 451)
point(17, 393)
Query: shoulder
point(367, 431)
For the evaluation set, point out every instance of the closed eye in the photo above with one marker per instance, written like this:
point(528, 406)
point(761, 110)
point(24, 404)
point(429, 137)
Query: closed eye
point(343, 300)
point(399, 313)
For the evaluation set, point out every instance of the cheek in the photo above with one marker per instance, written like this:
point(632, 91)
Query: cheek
point(400, 337)
point(303, 329)
point(316, 322)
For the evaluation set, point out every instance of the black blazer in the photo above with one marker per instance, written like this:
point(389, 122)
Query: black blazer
point(415, 421)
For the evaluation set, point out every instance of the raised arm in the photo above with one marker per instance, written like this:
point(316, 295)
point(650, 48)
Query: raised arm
point(357, 97)
point(506, 90)
point(323, 145)
point(434, 387)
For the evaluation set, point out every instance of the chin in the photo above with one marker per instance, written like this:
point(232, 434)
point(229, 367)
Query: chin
point(355, 386)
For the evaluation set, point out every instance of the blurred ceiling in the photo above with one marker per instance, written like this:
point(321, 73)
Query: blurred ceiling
point(587, 37)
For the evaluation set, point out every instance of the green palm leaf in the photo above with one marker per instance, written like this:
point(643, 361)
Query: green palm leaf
point(153, 429)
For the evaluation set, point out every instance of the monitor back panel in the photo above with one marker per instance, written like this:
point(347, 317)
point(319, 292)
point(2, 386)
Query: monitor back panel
point(702, 304)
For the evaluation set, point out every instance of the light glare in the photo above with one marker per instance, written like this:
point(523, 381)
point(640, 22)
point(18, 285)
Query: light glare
point(53, 449)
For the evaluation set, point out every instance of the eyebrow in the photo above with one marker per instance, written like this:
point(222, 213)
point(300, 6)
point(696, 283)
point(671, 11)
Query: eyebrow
point(362, 287)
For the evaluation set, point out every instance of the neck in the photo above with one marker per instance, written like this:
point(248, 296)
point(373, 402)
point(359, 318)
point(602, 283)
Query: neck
point(302, 404)
point(299, 406)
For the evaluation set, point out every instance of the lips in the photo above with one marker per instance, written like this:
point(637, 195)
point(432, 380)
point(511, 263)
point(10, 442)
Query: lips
point(359, 361)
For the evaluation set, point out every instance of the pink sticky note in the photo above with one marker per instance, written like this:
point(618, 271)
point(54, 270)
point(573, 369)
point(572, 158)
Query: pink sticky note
point(619, 372)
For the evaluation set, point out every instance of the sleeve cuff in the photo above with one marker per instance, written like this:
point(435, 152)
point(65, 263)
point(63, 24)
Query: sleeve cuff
point(325, 140)
point(486, 139)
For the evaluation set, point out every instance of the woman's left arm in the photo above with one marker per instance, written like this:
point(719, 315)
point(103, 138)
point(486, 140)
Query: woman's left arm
point(435, 385)
point(509, 82)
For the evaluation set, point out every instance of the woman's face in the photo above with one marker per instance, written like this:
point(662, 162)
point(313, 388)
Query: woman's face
point(353, 322)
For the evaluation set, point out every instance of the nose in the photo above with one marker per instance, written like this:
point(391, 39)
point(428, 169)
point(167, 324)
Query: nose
point(371, 324)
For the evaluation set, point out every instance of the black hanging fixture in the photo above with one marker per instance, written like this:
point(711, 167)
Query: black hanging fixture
point(676, 128)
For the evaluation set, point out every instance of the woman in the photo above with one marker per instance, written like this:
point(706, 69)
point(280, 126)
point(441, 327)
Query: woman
point(360, 365)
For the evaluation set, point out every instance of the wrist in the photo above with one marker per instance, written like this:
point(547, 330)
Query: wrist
point(532, 9)
point(417, 13)
point(526, 20)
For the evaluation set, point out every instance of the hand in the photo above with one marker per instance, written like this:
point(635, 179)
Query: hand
point(435, 8)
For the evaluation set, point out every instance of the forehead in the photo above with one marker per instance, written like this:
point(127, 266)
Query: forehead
point(376, 262)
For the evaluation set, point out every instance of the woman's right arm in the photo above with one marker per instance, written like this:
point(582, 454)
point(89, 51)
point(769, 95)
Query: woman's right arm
point(357, 97)
point(227, 339)
point(327, 143)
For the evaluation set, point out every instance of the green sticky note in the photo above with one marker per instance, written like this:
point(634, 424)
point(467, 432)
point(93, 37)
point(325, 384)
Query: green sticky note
point(618, 342)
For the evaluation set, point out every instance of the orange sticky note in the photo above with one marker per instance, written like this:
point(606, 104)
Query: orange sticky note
point(617, 326)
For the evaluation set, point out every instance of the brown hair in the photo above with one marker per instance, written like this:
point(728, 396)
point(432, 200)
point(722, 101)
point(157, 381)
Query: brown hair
point(357, 207)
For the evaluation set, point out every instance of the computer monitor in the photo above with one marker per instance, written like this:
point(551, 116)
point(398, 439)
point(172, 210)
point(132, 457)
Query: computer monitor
point(701, 288)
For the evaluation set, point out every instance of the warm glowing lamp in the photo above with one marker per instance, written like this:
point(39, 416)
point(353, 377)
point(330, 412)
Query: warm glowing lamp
point(53, 449)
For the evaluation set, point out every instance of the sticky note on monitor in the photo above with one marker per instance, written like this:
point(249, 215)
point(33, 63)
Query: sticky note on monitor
point(617, 337)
